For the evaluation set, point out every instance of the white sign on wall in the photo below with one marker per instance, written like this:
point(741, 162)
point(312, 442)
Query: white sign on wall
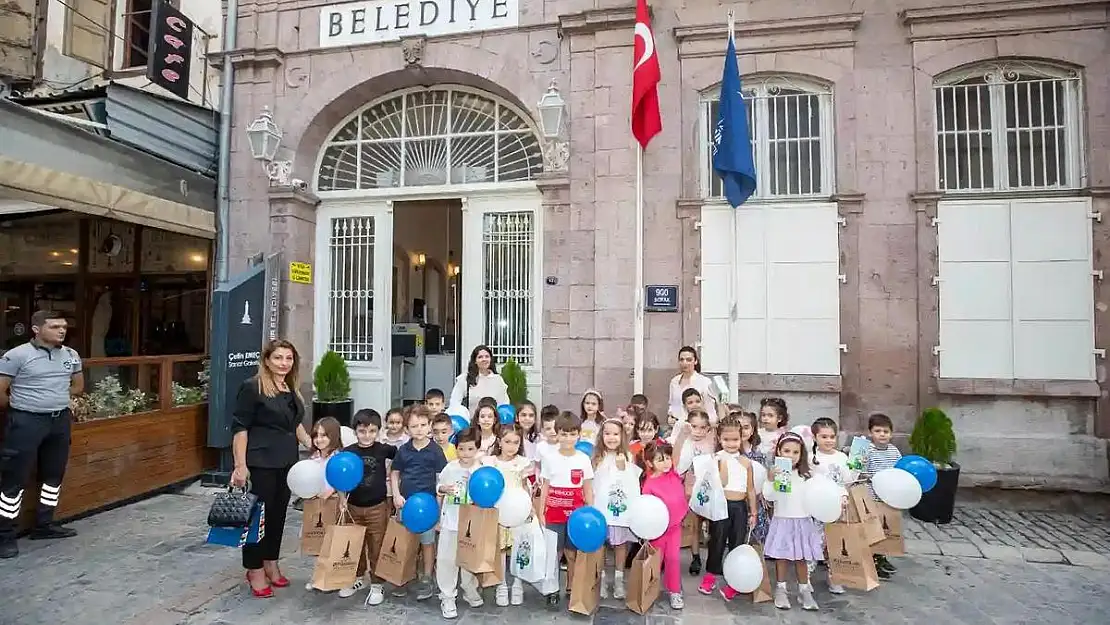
point(357, 23)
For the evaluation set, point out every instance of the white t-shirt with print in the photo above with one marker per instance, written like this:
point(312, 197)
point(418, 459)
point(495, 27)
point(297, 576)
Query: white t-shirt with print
point(567, 471)
point(691, 450)
point(459, 476)
point(833, 466)
point(514, 471)
point(543, 449)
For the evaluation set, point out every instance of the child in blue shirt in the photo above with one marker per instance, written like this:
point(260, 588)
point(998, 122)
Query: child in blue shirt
point(414, 470)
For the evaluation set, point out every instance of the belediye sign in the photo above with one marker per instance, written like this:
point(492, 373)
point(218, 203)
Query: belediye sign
point(358, 23)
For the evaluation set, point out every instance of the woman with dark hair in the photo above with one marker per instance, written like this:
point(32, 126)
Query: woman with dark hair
point(479, 380)
point(267, 425)
point(690, 376)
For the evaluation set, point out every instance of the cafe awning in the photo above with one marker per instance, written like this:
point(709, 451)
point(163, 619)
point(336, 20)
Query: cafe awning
point(49, 160)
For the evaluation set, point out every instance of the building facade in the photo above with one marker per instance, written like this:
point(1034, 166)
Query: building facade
point(926, 230)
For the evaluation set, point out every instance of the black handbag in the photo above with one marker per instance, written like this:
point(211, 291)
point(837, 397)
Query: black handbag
point(232, 508)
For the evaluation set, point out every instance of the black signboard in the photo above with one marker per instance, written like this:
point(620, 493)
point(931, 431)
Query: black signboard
point(170, 52)
point(661, 298)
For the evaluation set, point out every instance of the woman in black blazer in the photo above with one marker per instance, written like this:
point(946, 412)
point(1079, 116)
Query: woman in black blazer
point(267, 426)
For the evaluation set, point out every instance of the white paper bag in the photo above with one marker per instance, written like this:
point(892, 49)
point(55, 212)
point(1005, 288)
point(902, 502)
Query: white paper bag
point(614, 490)
point(708, 497)
point(528, 557)
point(550, 582)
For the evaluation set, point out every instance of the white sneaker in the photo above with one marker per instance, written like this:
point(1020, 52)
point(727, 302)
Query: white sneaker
point(677, 602)
point(811, 566)
point(618, 585)
point(805, 594)
point(309, 586)
point(516, 597)
point(782, 598)
point(501, 596)
point(473, 599)
point(604, 585)
point(448, 609)
point(836, 589)
point(376, 596)
point(352, 589)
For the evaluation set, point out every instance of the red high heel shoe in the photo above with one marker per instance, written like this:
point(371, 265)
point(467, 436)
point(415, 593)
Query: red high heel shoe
point(278, 582)
point(265, 593)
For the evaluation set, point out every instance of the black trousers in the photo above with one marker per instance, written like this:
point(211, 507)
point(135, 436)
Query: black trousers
point(726, 535)
point(272, 489)
point(31, 435)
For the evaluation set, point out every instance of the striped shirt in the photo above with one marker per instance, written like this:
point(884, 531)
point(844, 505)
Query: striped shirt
point(878, 460)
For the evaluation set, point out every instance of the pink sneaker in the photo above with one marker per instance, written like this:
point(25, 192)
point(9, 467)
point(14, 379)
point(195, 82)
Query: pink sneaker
point(708, 584)
point(729, 593)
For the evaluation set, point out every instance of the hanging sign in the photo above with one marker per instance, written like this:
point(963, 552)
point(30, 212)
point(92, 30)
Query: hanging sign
point(170, 52)
point(377, 21)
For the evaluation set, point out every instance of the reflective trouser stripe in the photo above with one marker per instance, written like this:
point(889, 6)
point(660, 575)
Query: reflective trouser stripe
point(9, 506)
point(48, 495)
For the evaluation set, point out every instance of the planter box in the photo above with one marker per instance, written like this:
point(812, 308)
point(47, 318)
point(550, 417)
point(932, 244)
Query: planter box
point(938, 505)
point(339, 410)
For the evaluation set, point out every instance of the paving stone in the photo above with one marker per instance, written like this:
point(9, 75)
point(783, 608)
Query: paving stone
point(1033, 554)
point(994, 552)
point(1085, 558)
point(959, 549)
point(922, 547)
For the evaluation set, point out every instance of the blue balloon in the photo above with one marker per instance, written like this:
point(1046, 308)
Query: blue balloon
point(586, 529)
point(420, 513)
point(507, 414)
point(921, 469)
point(458, 424)
point(585, 447)
point(485, 487)
point(343, 471)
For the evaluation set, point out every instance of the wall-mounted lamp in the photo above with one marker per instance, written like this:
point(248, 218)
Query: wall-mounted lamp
point(421, 260)
point(453, 270)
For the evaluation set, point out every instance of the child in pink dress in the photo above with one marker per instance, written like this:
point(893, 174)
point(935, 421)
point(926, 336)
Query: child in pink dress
point(667, 485)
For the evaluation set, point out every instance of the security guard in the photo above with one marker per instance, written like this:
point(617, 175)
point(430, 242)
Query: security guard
point(41, 376)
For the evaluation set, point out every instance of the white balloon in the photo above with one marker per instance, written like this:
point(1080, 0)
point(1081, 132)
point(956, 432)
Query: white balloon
point(806, 432)
point(514, 508)
point(897, 488)
point(821, 499)
point(759, 476)
point(348, 436)
point(744, 569)
point(648, 516)
point(458, 411)
point(306, 479)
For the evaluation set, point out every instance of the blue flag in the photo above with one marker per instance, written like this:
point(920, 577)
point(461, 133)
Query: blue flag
point(732, 145)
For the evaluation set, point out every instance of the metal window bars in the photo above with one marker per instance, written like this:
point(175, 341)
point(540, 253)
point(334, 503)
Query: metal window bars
point(508, 252)
point(351, 288)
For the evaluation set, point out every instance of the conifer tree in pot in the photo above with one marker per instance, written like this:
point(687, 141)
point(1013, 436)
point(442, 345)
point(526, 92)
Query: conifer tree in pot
point(933, 439)
point(332, 386)
point(516, 381)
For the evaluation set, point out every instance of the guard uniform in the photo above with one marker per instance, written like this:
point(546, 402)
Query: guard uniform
point(38, 426)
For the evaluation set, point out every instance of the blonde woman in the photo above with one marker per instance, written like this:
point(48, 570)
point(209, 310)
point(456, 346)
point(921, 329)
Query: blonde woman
point(268, 413)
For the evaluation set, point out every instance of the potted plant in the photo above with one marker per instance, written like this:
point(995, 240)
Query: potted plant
point(332, 384)
point(933, 439)
point(516, 381)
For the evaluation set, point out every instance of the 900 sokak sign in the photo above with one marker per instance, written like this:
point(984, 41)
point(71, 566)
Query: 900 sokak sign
point(358, 23)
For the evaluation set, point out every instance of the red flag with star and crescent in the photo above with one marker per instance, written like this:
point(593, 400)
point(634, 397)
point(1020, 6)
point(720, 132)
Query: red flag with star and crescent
point(646, 121)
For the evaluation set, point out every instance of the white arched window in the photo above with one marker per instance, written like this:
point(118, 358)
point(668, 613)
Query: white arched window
point(790, 119)
point(1008, 125)
point(430, 137)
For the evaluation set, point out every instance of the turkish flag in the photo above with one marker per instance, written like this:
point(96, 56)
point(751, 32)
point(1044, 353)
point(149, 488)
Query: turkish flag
point(646, 122)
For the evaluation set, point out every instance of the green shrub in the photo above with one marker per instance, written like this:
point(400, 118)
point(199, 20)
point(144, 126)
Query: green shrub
point(932, 437)
point(331, 379)
point(516, 381)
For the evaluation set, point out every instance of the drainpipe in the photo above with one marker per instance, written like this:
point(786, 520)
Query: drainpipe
point(223, 205)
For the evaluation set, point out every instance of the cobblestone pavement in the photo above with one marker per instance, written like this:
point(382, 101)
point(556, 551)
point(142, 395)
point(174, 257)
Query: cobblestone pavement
point(1015, 527)
point(146, 564)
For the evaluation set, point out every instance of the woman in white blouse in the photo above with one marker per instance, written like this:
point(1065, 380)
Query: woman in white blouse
point(690, 376)
point(480, 380)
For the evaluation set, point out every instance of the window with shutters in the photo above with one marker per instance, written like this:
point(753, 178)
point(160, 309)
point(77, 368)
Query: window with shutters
point(790, 122)
point(1010, 125)
point(788, 288)
point(88, 31)
point(1016, 289)
point(136, 32)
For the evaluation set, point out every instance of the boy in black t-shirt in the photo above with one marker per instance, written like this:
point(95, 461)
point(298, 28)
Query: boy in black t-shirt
point(368, 502)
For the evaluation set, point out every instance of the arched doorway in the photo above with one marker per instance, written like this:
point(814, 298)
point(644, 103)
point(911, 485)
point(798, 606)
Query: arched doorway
point(447, 173)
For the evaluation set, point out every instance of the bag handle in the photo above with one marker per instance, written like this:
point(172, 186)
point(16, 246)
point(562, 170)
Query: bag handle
point(244, 489)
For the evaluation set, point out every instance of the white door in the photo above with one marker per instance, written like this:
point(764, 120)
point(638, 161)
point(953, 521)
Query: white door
point(501, 278)
point(353, 316)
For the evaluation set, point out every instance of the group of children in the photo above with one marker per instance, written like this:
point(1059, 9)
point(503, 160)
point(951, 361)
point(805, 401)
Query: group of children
point(410, 451)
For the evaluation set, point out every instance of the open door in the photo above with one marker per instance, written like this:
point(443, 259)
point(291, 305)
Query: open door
point(353, 297)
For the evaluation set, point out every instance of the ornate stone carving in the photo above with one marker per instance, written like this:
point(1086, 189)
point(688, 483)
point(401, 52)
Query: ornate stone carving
point(556, 154)
point(296, 76)
point(413, 49)
point(546, 52)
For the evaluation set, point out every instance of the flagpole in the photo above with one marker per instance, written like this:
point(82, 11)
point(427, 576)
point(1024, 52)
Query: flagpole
point(638, 302)
point(734, 286)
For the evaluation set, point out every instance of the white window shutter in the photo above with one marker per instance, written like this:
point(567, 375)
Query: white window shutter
point(1053, 289)
point(973, 242)
point(88, 31)
point(716, 255)
point(803, 289)
point(751, 341)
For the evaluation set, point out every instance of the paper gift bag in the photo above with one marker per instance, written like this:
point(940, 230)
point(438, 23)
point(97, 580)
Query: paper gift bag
point(497, 575)
point(478, 539)
point(851, 562)
point(585, 582)
point(891, 521)
point(763, 593)
point(319, 515)
point(337, 562)
point(707, 499)
point(689, 531)
point(644, 578)
point(528, 555)
point(397, 557)
point(863, 510)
